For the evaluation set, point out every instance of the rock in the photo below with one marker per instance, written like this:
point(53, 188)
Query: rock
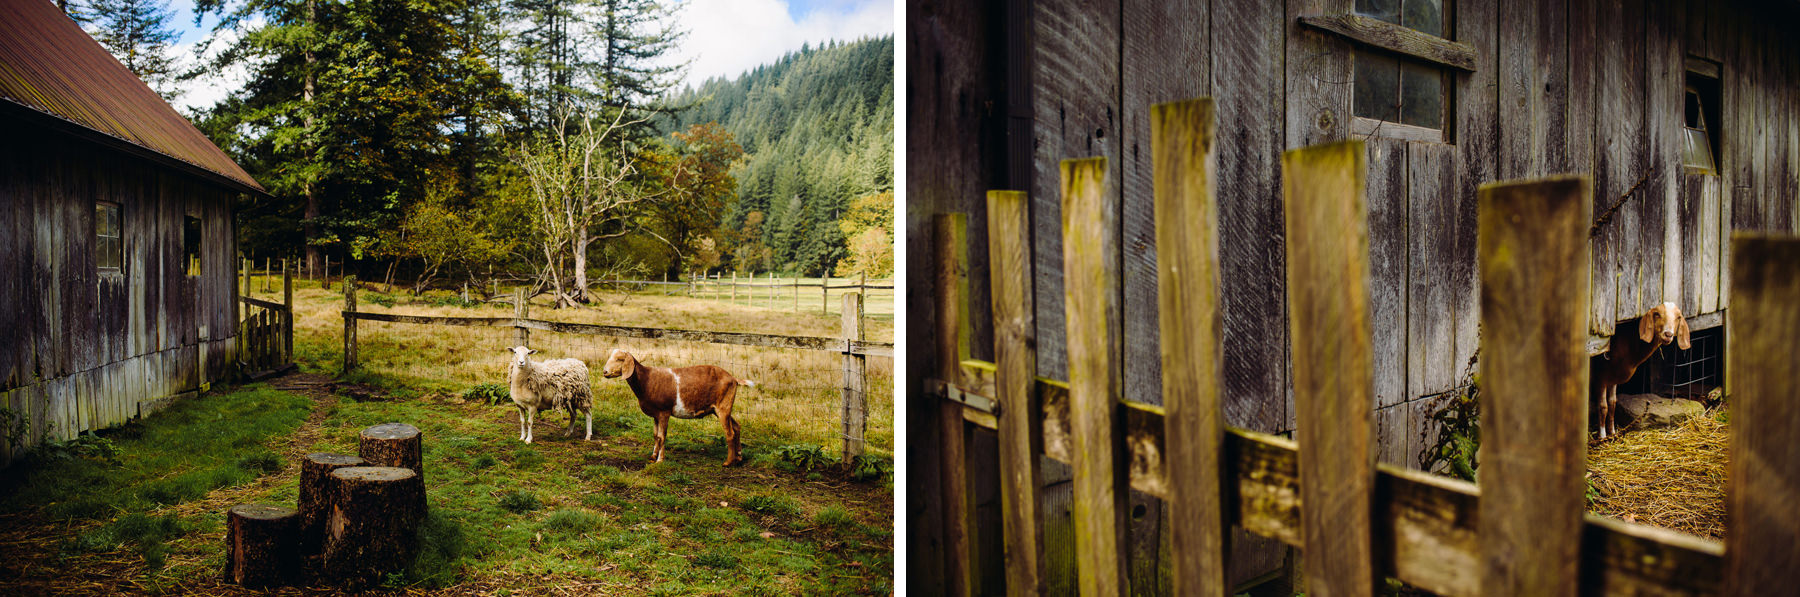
point(1646, 411)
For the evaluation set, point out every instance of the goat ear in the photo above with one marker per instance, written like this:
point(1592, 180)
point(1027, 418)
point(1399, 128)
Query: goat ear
point(1647, 326)
point(1681, 334)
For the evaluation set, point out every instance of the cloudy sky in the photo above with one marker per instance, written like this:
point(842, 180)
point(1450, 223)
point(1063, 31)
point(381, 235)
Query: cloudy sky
point(725, 37)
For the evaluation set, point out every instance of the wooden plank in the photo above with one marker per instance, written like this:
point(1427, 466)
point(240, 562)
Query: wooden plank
point(1388, 279)
point(1328, 272)
point(1396, 38)
point(1477, 135)
point(1161, 63)
point(1664, 106)
point(1015, 359)
point(1431, 232)
point(1426, 526)
point(950, 240)
point(1690, 206)
point(1579, 129)
point(1253, 107)
point(1763, 540)
point(1527, 45)
point(1533, 243)
point(855, 403)
point(1187, 232)
point(1075, 87)
point(1318, 76)
point(1090, 244)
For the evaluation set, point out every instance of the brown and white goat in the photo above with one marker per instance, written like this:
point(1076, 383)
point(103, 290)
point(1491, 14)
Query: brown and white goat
point(1657, 327)
point(683, 393)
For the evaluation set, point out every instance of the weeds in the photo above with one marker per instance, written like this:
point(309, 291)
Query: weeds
point(488, 393)
point(519, 502)
point(804, 457)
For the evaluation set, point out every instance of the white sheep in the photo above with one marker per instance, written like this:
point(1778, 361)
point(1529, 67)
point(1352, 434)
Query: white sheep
point(560, 383)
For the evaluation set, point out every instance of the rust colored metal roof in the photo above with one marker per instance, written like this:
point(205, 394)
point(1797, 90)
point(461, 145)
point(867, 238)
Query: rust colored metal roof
point(50, 66)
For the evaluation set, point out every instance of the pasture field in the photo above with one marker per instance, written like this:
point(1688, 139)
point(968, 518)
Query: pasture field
point(878, 303)
point(141, 509)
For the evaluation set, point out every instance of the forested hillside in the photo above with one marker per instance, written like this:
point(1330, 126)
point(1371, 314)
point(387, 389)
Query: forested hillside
point(531, 140)
point(817, 128)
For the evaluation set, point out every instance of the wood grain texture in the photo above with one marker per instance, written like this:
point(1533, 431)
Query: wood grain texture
point(1328, 306)
point(1015, 359)
point(1533, 243)
point(952, 342)
point(1319, 80)
point(855, 402)
point(1075, 87)
point(1763, 540)
point(1620, 162)
point(1664, 102)
point(1476, 153)
point(1187, 233)
point(1090, 212)
point(1388, 279)
point(1251, 39)
point(1396, 38)
point(1431, 225)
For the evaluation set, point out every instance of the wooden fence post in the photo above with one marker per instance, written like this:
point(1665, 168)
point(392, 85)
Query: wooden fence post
point(1761, 551)
point(734, 286)
point(855, 384)
point(1328, 306)
point(1020, 425)
point(1090, 252)
point(349, 325)
point(1533, 253)
point(824, 290)
point(267, 263)
point(521, 310)
point(1187, 247)
point(796, 294)
point(951, 239)
point(287, 320)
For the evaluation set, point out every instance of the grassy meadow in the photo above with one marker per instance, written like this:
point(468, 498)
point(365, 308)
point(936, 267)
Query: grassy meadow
point(141, 509)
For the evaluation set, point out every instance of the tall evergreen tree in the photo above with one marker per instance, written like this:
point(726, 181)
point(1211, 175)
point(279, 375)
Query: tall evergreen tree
point(137, 33)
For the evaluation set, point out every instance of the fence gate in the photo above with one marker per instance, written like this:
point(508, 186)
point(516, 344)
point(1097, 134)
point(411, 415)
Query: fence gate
point(1523, 531)
point(266, 332)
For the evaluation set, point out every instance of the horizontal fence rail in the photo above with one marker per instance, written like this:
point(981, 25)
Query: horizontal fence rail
point(873, 349)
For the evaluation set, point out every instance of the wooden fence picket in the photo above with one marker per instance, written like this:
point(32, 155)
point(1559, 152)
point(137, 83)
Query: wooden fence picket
point(1015, 376)
point(1762, 552)
point(951, 234)
point(1533, 254)
point(1090, 229)
point(1327, 241)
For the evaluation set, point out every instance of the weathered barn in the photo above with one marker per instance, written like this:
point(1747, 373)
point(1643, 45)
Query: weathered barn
point(1684, 113)
point(117, 240)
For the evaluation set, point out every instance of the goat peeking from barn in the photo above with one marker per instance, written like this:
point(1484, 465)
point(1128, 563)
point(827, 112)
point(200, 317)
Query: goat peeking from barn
point(684, 393)
point(1660, 325)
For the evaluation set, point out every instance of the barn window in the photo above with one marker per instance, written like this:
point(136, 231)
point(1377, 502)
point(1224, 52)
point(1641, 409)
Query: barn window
point(190, 243)
point(109, 249)
point(1395, 89)
point(1700, 119)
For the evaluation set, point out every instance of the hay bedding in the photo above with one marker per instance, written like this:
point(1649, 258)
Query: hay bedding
point(1672, 478)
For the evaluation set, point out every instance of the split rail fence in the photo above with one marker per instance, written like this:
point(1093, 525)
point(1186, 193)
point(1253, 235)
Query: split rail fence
point(853, 402)
point(1522, 531)
point(770, 292)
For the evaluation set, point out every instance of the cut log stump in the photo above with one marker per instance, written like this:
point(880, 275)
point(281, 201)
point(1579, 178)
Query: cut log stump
point(393, 444)
point(260, 543)
point(315, 496)
point(374, 521)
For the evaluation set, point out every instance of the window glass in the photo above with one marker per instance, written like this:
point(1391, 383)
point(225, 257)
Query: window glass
point(1421, 95)
point(190, 242)
point(108, 248)
point(1377, 81)
point(1424, 15)
point(1386, 10)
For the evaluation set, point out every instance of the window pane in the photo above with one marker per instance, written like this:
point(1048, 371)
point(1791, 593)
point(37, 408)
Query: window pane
point(191, 244)
point(1421, 95)
point(1425, 15)
point(1377, 88)
point(1696, 149)
point(1386, 10)
point(107, 252)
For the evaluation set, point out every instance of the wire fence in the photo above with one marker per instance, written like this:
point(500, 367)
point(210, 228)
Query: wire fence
point(768, 291)
point(797, 398)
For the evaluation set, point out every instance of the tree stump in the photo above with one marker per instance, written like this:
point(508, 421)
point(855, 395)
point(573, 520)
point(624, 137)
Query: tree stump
point(315, 496)
point(259, 545)
point(373, 526)
point(393, 444)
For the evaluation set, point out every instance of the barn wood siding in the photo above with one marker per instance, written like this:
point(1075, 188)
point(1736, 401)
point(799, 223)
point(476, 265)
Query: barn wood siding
point(1589, 86)
point(94, 349)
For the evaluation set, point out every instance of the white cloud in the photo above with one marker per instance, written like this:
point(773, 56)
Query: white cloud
point(727, 37)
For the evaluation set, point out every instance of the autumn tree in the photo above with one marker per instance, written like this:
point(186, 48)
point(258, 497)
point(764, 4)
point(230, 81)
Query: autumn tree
point(697, 172)
point(441, 238)
point(866, 229)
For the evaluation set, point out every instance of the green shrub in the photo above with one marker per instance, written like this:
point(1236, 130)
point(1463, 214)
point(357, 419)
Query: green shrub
point(804, 457)
point(871, 468)
point(1458, 419)
point(488, 393)
point(519, 502)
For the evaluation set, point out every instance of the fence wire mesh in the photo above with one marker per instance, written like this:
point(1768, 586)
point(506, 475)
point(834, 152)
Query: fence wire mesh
point(799, 396)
